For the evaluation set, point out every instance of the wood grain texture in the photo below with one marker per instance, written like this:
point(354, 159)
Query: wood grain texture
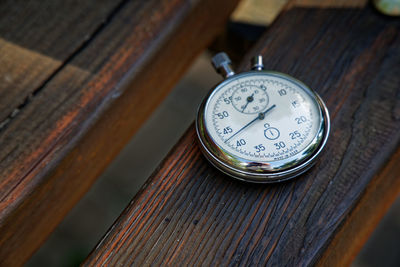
point(362, 220)
point(190, 214)
point(84, 101)
point(329, 3)
point(36, 37)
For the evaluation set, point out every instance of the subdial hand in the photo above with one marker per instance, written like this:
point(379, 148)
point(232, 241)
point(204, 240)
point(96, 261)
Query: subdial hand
point(248, 99)
point(260, 116)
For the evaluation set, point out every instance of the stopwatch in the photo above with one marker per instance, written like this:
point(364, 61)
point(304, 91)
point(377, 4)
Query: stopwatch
point(261, 126)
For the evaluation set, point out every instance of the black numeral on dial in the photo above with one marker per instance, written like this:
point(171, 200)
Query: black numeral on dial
point(223, 114)
point(228, 130)
point(228, 100)
point(259, 148)
point(282, 92)
point(240, 142)
point(280, 145)
point(294, 134)
point(300, 119)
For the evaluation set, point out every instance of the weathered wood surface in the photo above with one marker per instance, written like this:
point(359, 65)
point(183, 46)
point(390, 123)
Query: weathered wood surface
point(188, 213)
point(62, 65)
point(261, 12)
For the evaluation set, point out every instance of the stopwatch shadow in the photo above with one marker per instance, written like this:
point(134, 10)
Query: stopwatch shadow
point(217, 173)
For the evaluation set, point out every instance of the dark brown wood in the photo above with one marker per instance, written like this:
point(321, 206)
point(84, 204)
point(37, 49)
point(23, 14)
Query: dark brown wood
point(79, 80)
point(381, 192)
point(188, 213)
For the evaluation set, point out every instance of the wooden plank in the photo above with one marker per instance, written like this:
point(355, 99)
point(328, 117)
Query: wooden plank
point(258, 12)
point(188, 213)
point(362, 220)
point(36, 37)
point(261, 12)
point(329, 3)
point(88, 105)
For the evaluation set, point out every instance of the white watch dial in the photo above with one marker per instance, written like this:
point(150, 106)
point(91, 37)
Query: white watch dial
point(262, 117)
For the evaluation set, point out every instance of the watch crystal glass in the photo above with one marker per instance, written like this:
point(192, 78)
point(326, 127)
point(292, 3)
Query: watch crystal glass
point(284, 131)
point(261, 126)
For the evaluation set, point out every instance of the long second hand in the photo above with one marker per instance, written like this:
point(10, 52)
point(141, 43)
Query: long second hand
point(259, 117)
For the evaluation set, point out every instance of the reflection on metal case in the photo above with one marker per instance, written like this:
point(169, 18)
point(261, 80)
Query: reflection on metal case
point(261, 126)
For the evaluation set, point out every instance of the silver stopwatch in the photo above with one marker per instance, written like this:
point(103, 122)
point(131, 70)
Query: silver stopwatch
point(261, 126)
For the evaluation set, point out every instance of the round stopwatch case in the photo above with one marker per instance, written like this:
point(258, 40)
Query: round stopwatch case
point(262, 126)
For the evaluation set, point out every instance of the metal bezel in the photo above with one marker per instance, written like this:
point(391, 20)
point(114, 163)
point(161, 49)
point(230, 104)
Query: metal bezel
point(262, 171)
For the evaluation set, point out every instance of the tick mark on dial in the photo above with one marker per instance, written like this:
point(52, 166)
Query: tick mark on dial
point(249, 99)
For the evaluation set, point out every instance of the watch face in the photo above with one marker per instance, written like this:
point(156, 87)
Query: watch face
point(262, 121)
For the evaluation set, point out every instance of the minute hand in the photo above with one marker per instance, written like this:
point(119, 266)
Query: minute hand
point(259, 117)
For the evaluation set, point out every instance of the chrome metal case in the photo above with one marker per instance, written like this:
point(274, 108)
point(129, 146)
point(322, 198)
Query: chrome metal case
point(262, 171)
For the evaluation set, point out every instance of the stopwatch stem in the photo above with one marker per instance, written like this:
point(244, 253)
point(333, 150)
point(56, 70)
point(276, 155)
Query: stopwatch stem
point(257, 63)
point(222, 64)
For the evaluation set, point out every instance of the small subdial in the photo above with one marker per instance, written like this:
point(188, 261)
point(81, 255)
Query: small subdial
point(250, 99)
